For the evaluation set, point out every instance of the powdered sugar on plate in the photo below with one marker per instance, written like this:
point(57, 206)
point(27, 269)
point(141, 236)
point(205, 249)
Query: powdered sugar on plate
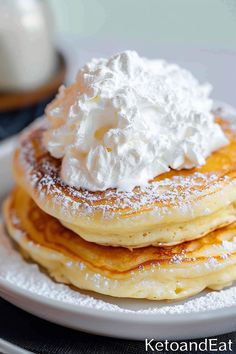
point(14, 270)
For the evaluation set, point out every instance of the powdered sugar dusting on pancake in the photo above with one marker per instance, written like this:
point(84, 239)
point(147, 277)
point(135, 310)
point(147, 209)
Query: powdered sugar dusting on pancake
point(43, 173)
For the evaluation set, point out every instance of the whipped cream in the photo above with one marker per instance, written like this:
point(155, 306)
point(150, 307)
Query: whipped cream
point(127, 119)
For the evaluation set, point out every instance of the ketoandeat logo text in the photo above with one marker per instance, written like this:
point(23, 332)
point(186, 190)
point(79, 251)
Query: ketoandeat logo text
point(207, 345)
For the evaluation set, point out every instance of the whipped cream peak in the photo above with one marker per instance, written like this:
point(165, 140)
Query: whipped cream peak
point(127, 119)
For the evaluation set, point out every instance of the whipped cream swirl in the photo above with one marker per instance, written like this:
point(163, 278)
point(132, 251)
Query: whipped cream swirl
point(127, 119)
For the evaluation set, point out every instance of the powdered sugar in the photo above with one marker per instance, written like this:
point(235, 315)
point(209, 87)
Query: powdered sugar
point(15, 271)
point(179, 191)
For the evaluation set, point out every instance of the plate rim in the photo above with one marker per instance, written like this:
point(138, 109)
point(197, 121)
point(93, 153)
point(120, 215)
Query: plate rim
point(226, 312)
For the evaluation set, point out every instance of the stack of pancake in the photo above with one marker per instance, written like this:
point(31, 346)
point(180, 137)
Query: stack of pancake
point(169, 240)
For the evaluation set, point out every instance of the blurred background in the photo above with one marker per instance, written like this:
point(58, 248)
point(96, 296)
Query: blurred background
point(209, 22)
point(44, 42)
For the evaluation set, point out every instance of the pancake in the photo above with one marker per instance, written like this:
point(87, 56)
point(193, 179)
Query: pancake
point(175, 207)
point(156, 273)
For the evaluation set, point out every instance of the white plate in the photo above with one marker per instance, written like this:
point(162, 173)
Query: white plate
point(24, 285)
point(7, 347)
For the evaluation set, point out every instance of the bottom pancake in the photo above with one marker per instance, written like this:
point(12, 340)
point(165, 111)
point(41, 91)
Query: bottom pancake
point(155, 273)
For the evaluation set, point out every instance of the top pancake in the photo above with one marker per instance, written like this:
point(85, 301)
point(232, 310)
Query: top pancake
point(174, 207)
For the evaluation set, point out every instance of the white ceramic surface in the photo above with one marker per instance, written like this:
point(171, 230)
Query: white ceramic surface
point(127, 318)
point(123, 325)
point(9, 348)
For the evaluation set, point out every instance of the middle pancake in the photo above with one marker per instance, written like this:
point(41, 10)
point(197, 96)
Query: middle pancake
point(175, 207)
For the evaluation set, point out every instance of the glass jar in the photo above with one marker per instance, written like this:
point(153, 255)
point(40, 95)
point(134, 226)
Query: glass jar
point(27, 56)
